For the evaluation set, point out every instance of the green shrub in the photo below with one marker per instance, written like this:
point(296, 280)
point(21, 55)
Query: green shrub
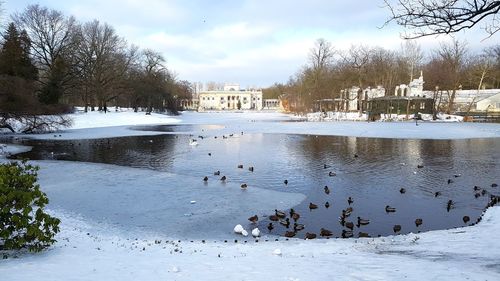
point(23, 223)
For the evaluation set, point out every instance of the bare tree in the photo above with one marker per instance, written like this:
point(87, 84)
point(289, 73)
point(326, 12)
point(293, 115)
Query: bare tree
point(51, 35)
point(431, 17)
point(413, 56)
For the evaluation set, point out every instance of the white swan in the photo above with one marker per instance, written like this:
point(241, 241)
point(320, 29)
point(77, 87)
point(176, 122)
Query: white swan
point(193, 142)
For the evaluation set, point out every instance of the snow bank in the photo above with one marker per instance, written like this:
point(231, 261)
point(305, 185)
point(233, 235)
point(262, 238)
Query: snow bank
point(336, 116)
point(86, 251)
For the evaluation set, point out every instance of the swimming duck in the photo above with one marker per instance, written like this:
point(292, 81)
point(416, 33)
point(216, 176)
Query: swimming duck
point(450, 181)
point(274, 218)
point(347, 212)
point(295, 216)
point(347, 233)
point(396, 228)
point(327, 190)
point(327, 205)
point(310, 235)
point(205, 178)
point(494, 185)
point(449, 205)
point(193, 142)
point(325, 232)
point(363, 235)
point(285, 181)
point(355, 156)
point(250, 169)
point(437, 193)
point(402, 190)
point(390, 209)
point(270, 226)
point(312, 206)
point(298, 227)
point(420, 166)
point(244, 186)
point(279, 214)
point(363, 221)
point(349, 200)
point(253, 219)
point(326, 166)
point(289, 234)
point(285, 223)
point(418, 222)
point(332, 174)
point(240, 166)
point(476, 188)
point(349, 225)
point(466, 219)
point(217, 173)
point(223, 178)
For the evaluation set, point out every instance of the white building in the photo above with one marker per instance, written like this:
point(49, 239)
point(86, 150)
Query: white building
point(231, 98)
point(414, 89)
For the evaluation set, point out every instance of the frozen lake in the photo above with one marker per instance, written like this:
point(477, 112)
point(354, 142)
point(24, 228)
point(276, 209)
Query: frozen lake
point(373, 179)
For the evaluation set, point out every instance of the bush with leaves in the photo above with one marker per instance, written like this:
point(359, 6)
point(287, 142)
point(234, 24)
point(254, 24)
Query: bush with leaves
point(23, 223)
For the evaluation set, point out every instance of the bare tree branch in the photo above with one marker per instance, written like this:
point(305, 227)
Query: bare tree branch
point(431, 17)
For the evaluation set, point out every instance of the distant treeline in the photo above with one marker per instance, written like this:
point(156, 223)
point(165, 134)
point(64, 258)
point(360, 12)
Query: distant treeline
point(451, 66)
point(50, 62)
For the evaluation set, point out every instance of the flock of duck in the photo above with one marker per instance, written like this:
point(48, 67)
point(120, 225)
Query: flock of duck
point(284, 219)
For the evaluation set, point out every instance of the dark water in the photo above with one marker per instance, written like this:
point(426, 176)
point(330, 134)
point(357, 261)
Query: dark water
point(373, 179)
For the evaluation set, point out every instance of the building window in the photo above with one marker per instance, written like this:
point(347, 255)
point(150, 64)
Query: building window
point(203, 98)
point(422, 105)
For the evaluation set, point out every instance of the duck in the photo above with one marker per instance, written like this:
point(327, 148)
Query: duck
point(295, 216)
point(327, 190)
point(420, 166)
point(347, 212)
point(363, 221)
point(355, 156)
point(240, 166)
point(449, 205)
point(270, 226)
point(290, 234)
point(244, 186)
point(347, 233)
point(437, 193)
point(285, 182)
point(466, 219)
point(332, 174)
point(326, 166)
point(274, 218)
point(390, 209)
point(279, 214)
point(402, 190)
point(450, 181)
point(349, 225)
point(205, 178)
point(312, 206)
point(209, 154)
point(217, 173)
point(349, 200)
point(310, 235)
point(254, 219)
point(494, 185)
point(327, 205)
point(256, 232)
point(250, 169)
point(457, 175)
point(193, 142)
point(285, 223)
point(223, 178)
point(363, 235)
point(396, 228)
point(418, 222)
point(325, 232)
point(476, 188)
point(298, 226)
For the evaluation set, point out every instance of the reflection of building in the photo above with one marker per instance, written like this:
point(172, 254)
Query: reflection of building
point(231, 98)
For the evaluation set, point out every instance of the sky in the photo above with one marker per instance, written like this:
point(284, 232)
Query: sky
point(251, 42)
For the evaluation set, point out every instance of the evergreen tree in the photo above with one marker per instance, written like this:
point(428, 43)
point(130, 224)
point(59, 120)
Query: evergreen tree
point(14, 55)
point(52, 91)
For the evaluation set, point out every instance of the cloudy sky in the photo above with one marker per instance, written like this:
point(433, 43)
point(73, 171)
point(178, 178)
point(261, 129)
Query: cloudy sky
point(251, 42)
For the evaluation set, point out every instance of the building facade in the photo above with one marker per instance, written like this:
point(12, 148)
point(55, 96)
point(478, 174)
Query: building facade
point(230, 98)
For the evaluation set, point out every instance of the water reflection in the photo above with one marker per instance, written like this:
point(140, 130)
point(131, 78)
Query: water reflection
point(371, 171)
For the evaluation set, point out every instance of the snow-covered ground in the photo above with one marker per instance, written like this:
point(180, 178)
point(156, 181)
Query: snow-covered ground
point(94, 250)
